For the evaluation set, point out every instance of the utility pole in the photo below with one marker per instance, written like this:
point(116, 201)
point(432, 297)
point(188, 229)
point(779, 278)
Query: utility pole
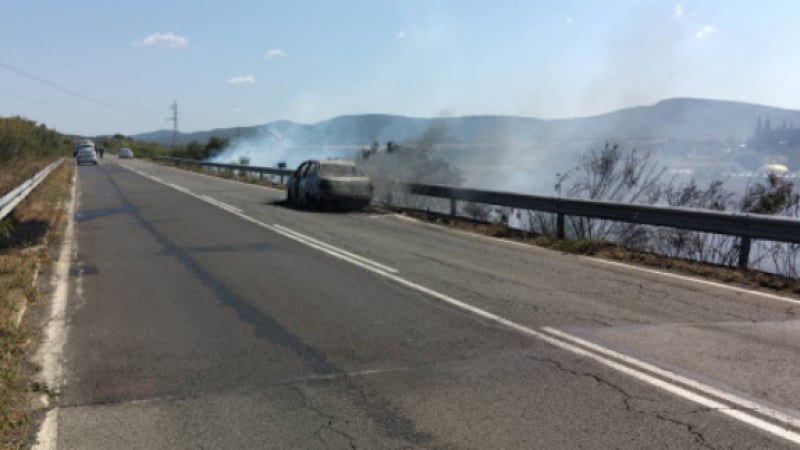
point(174, 120)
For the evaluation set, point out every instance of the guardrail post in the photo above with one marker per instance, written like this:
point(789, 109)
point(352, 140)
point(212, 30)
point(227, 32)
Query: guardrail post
point(453, 207)
point(560, 226)
point(744, 252)
point(281, 178)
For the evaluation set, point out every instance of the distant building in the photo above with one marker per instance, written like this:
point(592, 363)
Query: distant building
point(767, 137)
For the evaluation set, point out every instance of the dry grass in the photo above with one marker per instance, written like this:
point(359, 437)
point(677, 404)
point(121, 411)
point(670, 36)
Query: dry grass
point(607, 250)
point(18, 171)
point(36, 225)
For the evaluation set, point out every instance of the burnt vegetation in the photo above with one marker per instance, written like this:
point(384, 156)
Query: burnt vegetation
point(627, 176)
point(387, 165)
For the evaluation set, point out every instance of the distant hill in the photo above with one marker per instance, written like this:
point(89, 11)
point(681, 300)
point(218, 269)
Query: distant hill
point(677, 118)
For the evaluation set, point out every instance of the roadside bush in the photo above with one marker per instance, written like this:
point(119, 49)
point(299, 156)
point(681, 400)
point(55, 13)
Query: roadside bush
point(25, 148)
point(612, 175)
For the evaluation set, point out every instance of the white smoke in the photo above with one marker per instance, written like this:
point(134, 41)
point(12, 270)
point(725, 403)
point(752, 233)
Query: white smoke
point(269, 149)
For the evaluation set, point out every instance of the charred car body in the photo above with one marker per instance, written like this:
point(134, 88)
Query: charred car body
point(329, 183)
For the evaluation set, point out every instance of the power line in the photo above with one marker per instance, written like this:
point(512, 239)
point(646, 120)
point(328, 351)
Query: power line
point(64, 108)
point(66, 90)
point(51, 105)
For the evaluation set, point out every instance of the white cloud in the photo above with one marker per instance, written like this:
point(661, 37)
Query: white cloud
point(164, 40)
point(677, 11)
point(400, 35)
point(569, 20)
point(706, 30)
point(274, 53)
point(242, 80)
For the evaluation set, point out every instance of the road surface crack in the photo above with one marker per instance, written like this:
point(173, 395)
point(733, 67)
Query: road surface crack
point(328, 419)
point(699, 437)
point(628, 399)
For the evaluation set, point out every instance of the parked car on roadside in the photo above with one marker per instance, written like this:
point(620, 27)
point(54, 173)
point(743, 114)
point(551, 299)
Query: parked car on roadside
point(329, 183)
point(86, 155)
point(125, 153)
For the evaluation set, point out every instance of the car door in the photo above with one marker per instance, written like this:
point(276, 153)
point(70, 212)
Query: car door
point(294, 181)
point(308, 184)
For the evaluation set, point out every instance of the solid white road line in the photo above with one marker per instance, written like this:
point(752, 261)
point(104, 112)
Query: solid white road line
point(588, 350)
point(47, 437)
point(205, 174)
point(221, 204)
point(50, 352)
point(738, 401)
point(291, 234)
point(594, 259)
point(176, 187)
point(715, 284)
point(336, 249)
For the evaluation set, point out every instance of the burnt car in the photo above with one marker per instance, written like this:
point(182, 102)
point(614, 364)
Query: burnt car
point(329, 183)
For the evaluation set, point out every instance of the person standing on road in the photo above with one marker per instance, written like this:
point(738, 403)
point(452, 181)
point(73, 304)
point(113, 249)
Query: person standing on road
point(101, 150)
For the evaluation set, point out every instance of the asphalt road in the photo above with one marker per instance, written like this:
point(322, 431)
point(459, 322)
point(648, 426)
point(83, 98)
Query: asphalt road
point(198, 317)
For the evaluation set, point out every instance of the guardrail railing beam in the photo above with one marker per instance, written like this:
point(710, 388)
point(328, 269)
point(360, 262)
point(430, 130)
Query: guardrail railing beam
point(10, 200)
point(746, 226)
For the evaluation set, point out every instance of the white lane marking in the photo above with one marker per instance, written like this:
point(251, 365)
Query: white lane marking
point(474, 236)
point(336, 249)
point(293, 235)
point(47, 437)
point(238, 183)
point(639, 375)
point(644, 377)
point(694, 280)
point(50, 352)
point(220, 203)
point(738, 401)
point(622, 265)
point(178, 188)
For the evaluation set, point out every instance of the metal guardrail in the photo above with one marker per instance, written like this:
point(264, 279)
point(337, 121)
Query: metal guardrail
point(261, 171)
point(745, 226)
point(10, 200)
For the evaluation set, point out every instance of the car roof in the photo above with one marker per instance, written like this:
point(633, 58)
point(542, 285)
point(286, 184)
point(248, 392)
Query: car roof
point(337, 162)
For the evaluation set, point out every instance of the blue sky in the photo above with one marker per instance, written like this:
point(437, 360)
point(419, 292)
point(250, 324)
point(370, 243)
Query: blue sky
point(117, 66)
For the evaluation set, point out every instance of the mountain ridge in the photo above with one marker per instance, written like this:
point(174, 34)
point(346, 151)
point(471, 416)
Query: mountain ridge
point(680, 118)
